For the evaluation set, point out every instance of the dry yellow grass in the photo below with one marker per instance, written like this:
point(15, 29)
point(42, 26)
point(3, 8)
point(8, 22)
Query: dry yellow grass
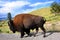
point(49, 26)
point(52, 25)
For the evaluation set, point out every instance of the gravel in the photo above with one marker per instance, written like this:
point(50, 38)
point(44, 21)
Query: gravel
point(39, 36)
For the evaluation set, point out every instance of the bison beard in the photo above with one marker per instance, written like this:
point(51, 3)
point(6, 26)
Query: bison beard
point(24, 22)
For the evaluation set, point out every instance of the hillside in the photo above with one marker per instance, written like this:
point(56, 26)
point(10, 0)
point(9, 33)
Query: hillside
point(45, 12)
point(42, 12)
point(52, 24)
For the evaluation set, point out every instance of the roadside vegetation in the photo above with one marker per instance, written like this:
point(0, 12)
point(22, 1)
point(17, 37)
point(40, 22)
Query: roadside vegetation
point(51, 14)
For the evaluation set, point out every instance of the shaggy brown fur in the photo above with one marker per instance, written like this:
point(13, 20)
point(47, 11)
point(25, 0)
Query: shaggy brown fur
point(24, 22)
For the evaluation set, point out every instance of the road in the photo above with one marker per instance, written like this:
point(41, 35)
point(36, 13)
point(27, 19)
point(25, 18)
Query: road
point(39, 36)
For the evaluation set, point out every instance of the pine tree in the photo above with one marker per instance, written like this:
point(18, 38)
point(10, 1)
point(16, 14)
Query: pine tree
point(55, 8)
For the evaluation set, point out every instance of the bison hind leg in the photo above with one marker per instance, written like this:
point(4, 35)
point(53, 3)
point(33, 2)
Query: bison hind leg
point(43, 29)
point(37, 30)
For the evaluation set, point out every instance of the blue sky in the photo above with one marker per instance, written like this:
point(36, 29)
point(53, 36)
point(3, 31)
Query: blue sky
point(22, 6)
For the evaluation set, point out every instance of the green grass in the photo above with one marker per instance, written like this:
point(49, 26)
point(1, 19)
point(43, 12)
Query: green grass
point(48, 27)
point(50, 17)
point(45, 12)
point(4, 28)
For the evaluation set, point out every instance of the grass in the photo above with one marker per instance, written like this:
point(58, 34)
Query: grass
point(45, 12)
point(4, 28)
point(50, 25)
point(50, 17)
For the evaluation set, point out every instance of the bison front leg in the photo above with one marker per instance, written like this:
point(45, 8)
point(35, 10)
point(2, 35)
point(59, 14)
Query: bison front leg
point(28, 32)
point(37, 30)
point(22, 33)
point(43, 29)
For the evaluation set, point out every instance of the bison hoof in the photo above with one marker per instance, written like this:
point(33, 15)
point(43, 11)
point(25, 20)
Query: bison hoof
point(34, 35)
point(13, 31)
point(29, 35)
point(21, 37)
point(44, 36)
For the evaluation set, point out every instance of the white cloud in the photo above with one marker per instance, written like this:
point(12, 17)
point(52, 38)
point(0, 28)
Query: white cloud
point(38, 3)
point(34, 5)
point(28, 10)
point(41, 3)
point(10, 6)
point(49, 2)
point(16, 4)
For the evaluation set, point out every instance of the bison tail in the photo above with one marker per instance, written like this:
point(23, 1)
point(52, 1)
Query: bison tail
point(9, 17)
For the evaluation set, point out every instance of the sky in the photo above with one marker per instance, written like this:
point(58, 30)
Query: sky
point(22, 6)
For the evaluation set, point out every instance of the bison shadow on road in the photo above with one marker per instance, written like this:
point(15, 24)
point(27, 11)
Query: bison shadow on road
point(40, 33)
point(48, 33)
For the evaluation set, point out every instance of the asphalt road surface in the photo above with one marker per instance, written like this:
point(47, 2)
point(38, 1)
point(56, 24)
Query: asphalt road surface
point(39, 36)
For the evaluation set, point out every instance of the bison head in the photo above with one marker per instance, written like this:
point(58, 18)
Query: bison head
point(11, 26)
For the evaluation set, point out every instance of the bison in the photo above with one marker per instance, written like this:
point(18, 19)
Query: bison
point(24, 22)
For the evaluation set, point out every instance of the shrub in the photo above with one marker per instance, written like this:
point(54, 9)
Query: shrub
point(0, 30)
